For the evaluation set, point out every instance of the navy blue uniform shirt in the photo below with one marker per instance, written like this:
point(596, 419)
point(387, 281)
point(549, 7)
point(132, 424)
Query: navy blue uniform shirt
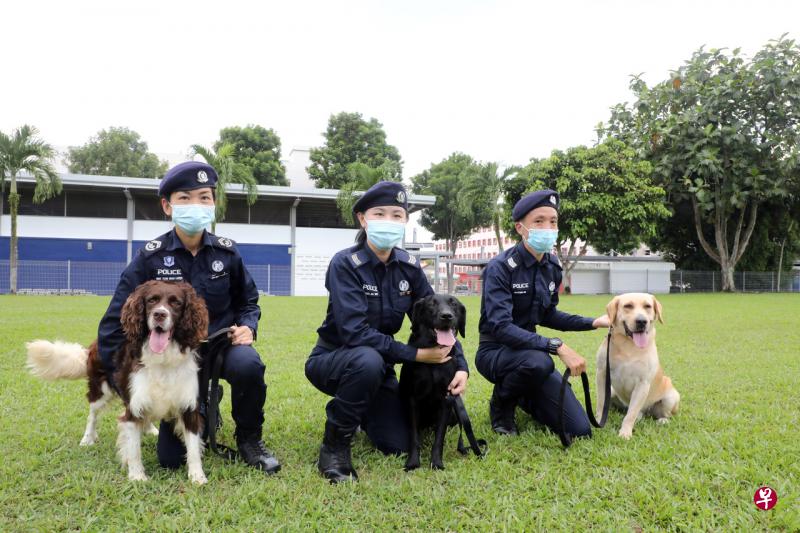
point(520, 293)
point(368, 301)
point(217, 273)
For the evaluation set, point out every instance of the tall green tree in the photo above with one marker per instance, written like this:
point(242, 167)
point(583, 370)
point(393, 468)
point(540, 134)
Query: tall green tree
point(607, 198)
point(256, 153)
point(722, 133)
point(115, 152)
point(351, 139)
point(362, 177)
point(223, 162)
point(24, 151)
point(486, 189)
point(454, 216)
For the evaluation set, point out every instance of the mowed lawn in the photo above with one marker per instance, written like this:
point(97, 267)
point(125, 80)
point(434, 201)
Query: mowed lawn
point(734, 358)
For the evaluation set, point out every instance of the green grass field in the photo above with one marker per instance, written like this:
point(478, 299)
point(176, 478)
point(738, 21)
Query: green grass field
point(734, 358)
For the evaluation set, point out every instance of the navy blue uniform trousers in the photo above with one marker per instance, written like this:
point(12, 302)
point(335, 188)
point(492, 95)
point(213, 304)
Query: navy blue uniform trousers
point(244, 371)
point(365, 392)
point(530, 377)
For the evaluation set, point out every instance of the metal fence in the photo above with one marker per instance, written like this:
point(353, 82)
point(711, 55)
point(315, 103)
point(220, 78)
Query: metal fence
point(711, 281)
point(81, 277)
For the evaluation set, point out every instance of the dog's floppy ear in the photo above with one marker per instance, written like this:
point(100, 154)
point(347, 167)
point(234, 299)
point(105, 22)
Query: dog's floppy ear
point(192, 327)
point(659, 311)
point(132, 318)
point(417, 311)
point(462, 319)
point(612, 308)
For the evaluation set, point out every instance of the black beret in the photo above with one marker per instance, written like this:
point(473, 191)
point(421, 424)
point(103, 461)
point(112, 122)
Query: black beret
point(188, 176)
point(383, 193)
point(533, 200)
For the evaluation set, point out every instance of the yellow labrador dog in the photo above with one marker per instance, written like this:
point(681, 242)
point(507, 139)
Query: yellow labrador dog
point(637, 381)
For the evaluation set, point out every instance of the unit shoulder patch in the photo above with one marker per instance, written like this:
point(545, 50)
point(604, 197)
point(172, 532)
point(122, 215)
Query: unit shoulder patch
point(153, 245)
point(512, 263)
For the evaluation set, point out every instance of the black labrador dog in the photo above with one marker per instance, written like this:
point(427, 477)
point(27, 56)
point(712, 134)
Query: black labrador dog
point(423, 387)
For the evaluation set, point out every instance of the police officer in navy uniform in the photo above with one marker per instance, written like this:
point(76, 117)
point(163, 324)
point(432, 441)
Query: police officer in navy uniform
point(372, 287)
point(213, 266)
point(520, 292)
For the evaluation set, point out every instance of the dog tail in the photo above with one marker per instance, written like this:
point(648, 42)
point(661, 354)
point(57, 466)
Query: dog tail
point(57, 360)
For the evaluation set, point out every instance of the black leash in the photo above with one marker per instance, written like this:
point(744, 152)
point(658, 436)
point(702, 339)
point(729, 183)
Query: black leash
point(478, 446)
point(566, 439)
point(216, 346)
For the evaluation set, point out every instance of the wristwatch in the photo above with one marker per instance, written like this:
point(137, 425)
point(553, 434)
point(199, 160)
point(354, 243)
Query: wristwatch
point(553, 345)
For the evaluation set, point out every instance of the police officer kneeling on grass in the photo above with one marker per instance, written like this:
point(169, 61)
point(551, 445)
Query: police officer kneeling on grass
point(213, 266)
point(520, 292)
point(373, 286)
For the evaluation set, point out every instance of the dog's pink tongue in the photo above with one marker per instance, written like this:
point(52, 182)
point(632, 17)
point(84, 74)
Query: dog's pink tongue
point(445, 337)
point(640, 339)
point(158, 340)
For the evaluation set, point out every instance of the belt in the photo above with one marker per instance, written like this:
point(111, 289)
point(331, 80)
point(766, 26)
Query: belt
point(485, 337)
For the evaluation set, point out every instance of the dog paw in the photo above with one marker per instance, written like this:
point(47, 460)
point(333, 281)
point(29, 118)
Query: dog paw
point(411, 465)
point(152, 430)
point(662, 421)
point(198, 478)
point(137, 476)
point(88, 440)
point(437, 465)
point(625, 433)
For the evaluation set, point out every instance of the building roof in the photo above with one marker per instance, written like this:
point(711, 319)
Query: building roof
point(415, 201)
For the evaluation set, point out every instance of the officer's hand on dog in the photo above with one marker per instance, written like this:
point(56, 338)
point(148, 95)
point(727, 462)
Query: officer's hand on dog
point(241, 335)
point(435, 355)
point(459, 383)
point(601, 322)
point(575, 363)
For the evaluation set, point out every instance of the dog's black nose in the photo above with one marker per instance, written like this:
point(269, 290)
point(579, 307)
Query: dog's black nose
point(446, 316)
point(160, 316)
point(641, 323)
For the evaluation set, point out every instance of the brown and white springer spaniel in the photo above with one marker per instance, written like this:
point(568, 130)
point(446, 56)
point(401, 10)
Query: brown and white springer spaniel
point(156, 371)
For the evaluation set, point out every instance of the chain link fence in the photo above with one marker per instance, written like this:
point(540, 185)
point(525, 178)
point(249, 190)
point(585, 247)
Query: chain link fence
point(82, 277)
point(711, 281)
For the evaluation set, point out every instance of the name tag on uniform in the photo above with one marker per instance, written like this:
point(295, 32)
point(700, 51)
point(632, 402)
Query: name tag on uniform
point(370, 290)
point(520, 288)
point(220, 275)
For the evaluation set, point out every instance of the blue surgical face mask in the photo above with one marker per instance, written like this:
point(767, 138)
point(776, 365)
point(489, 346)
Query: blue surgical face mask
point(384, 234)
point(192, 218)
point(542, 240)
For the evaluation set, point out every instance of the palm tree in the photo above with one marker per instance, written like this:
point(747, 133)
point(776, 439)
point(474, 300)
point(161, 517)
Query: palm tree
point(360, 178)
point(485, 189)
point(228, 172)
point(23, 151)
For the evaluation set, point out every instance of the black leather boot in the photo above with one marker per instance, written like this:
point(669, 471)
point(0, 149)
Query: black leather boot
point(254, 453)
point(334, 462)
point(501, 413)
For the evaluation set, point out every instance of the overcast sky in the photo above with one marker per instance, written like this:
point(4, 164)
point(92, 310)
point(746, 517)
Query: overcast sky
point(501, 81)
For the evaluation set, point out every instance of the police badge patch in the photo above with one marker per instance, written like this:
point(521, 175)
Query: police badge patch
point(152, 246)
point(169, 261)
point(217, 266)
point(552, 199)
point(552, 286)
point(403, 286)
point(401, 197)
point(202, 177)
point(227, 243)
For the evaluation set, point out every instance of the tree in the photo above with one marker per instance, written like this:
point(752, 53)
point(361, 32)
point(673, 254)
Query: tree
point(361, 178)
point(115, 152)
point(223, 162)
point(453, 217)
point(607, 198)
point(256, 153)
point(23, 151)
point(350, 139)
point(722, 133)
point(487, 190)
